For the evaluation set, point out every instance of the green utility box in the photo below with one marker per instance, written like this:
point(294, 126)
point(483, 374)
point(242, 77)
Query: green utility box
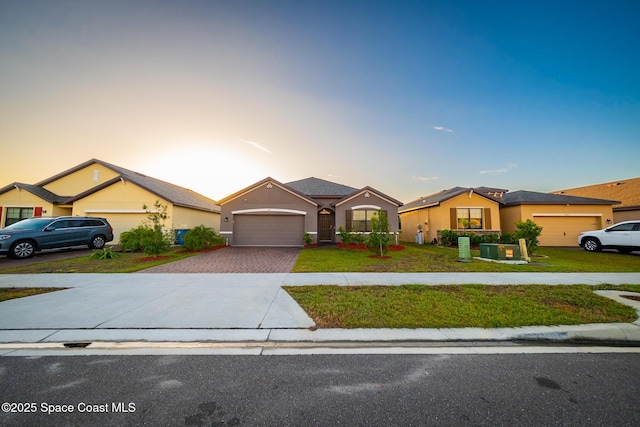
point(498, 251)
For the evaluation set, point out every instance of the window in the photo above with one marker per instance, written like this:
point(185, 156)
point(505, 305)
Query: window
point(359, 220)
point(469, 218)
point(16, 214)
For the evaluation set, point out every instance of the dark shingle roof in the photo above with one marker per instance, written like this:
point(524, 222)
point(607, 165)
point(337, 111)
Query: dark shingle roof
point(43, 193)
point(535, 198)
point(316, 187)
point(441, 196)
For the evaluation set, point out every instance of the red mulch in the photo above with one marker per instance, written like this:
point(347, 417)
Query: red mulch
point(215, 248)
point(154, 258)
point(380, 257)
point(363, 247)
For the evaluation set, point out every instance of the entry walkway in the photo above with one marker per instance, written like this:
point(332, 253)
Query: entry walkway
point(247, 307)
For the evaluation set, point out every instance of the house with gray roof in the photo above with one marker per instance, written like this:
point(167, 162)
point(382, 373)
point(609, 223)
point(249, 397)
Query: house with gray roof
point(98, 188)
point(272, 213)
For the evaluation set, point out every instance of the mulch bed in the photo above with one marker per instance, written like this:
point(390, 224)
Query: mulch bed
point(363, 247)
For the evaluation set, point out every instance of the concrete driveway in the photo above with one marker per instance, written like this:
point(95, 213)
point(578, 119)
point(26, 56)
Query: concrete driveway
point(234, 260)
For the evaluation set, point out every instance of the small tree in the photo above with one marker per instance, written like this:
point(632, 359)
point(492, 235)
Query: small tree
point(529, 231)
point(150, 237)
point(379, 238)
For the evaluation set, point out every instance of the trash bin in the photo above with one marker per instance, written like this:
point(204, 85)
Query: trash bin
point(180, 236)
point(419, 238)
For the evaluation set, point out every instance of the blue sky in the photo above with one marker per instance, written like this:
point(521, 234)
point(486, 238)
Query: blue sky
point(410, 97)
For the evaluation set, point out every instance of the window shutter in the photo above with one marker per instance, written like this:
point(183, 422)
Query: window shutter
point(486, 221)
point(453, 214)
point(347, 220)
point(0, 216)
point(37, 211)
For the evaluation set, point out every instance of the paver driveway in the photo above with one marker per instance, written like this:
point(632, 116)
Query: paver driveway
point(234, 260)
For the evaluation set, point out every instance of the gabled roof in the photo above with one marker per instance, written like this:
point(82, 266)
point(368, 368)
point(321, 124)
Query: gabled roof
point(316, 187)
point(175, 194)
point(444, 195)
point(524, 197)
point(365, 190)
point(40, 192)
point(625, 190)
point(260, 183)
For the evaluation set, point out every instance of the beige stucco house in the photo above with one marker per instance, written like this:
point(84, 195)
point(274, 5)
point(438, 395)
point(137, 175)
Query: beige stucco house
point(627, 191)
point(561, 217)
point(97, 188)
point(458, 208)
point(270, 213)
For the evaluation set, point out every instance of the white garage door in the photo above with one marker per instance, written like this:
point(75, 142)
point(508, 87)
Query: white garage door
point(268, 230)
point(564, 230)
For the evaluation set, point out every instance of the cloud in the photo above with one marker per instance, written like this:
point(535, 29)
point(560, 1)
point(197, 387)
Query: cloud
point(442, 129)
point(256, 145)
point(424, 178)
point(498, 171)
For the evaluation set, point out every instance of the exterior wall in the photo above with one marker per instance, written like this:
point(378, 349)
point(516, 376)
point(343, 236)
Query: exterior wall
point(573, 219)
point(437, 218)
point(371, 202)
point(267, 199)
point(23, 199)
point(81, 180)
point(121, 204)
point(185, 218)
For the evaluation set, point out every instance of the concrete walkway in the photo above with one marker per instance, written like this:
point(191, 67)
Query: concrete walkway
point(252, 307)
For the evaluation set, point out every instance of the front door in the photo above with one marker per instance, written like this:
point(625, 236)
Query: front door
point(325, 225)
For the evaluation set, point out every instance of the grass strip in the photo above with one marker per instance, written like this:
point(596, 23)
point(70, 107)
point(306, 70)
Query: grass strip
point(459, 306)
point(12, 293)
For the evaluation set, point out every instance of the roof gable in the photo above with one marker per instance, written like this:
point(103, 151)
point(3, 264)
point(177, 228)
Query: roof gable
point(40, 192)
point(365, 191)
point(267, 180)
point(316, 187)
point(436, 199)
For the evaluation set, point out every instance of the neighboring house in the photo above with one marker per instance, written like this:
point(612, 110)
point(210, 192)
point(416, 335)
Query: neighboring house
point(458, 208)
point(97, 188)
point(561, 217)
point(270, 213)
point(627, 191)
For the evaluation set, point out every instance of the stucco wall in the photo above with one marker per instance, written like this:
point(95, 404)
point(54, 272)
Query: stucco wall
point(81, 180)
point(19, 198)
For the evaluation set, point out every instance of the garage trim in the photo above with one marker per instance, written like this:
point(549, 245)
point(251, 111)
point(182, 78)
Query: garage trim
point(567, 214)
point(288, 211)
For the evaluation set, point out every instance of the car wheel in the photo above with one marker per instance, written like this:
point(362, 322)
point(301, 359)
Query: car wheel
point(23, 249)
point(97, 242)
point(592, 245)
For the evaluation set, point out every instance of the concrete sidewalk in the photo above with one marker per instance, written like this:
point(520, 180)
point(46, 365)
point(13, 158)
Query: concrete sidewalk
point(252, 308)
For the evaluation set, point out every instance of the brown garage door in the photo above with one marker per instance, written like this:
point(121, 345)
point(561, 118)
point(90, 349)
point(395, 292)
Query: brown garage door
point(268, 230)
point(564, 230)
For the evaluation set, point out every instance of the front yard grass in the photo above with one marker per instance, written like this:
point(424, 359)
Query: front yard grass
point(127, 263)
point(12, 293)
point(459, 306)
point(429, 258)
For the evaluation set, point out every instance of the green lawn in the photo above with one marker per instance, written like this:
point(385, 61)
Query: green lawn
point(127, 263)
point(480, 306)
point(11, 293)
point(428, 258)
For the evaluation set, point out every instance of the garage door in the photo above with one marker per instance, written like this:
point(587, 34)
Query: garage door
point(564, 230)
point(268, 230)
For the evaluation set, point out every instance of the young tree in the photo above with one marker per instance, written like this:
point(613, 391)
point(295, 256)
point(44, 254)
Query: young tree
point(379, 238)
point(529, 231)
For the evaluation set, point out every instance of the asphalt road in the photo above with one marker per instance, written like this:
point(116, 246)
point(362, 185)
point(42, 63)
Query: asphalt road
point(365, 390)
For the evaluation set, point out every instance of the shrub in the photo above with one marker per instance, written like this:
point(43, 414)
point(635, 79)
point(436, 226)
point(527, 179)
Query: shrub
point(345, 235)
point(150, 237)
point(507, 238)
point(358, 238)
point(529, 231)
point(448, 238)
point(202, 237)
point(133, 240)
point(307, 239)
point(105, 253)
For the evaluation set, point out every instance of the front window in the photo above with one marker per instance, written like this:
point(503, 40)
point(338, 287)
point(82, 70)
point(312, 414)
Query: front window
point(470, 218)
point(361, 220)
point(17, 214)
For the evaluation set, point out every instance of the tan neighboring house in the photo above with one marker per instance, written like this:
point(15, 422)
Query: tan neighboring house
point(100, 189)
point(271, 213)
point(627, 191)
point(561, 217)
point(459, 208)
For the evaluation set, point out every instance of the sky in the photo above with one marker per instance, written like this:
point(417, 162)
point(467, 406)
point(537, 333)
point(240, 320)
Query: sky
point(408, 97)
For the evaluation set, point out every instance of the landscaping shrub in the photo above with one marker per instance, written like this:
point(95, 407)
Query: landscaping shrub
point(529, 231)
point(345, 235)
point(150, 237)
point(202, 237)
point(105, 253)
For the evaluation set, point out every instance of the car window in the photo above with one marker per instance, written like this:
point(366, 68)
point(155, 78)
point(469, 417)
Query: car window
point(623, 227)
point(59, 224)
point(29, 224)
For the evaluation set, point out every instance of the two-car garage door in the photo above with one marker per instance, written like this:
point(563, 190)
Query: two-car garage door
point(268, 230)
point(564, 230)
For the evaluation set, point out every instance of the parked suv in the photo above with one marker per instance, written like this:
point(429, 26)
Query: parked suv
point(623, 236)
point(23, 238)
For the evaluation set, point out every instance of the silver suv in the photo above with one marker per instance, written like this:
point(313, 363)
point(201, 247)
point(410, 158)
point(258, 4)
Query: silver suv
point(23, 238)
point(623, 236)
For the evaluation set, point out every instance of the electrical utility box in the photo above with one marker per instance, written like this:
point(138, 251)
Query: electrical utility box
point(500, 252)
